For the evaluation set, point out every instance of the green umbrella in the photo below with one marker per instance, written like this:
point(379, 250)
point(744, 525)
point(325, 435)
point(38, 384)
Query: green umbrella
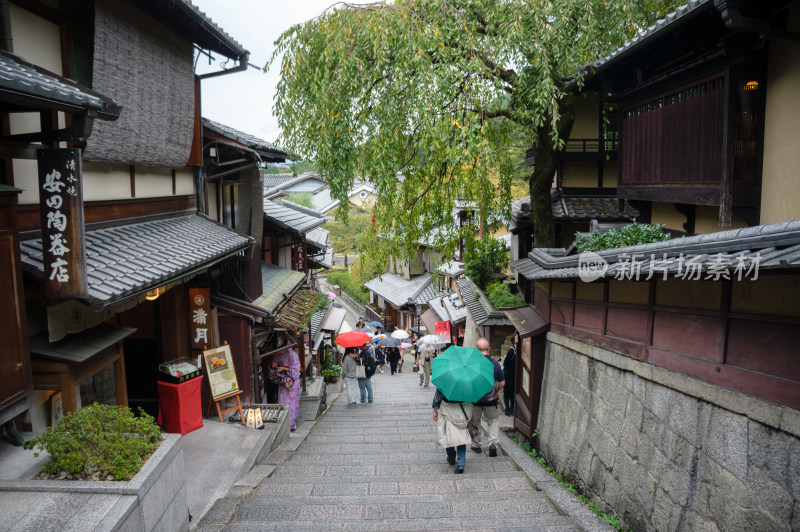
point(463, 374)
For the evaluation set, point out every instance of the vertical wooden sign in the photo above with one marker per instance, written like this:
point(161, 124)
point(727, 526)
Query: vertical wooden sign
point(443, 329)
point(61, 211)
point(200, 318)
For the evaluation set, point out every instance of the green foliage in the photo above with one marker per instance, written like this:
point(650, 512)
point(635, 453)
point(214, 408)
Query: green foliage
point(367, 266)
point(107, 438)
point(301, 198)
point(329, 369)
point(353, 289)
point(500, 296)
point(612, 520)
point(347, 235)
point(437, 90)
point(630, 235)
point(483, 258)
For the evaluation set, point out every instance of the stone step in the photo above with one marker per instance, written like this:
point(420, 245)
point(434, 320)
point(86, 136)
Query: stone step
point(441, 467)
point(304, 475)
point(400, 458)
point(378, 492)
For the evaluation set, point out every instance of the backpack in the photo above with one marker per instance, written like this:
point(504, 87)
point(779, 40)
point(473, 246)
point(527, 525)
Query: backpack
point(369, 362)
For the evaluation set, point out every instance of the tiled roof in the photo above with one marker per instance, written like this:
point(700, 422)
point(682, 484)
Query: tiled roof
point(278, 283)
point(254, 143)
point(125, 260)
point(275, 180)
point(322, 260)
point(449, 307)
point(482, 312)
point(24, 82)
point(282, 184)
point(397, 289)
point(318, 238)
point(771, 247)
point(451, 268)
point(206, 32)
point(578, 209)
point(290, 218)
point(678, 17)
point(316, 321)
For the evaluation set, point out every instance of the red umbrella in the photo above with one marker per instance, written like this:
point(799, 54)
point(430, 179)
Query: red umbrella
point(352, 339)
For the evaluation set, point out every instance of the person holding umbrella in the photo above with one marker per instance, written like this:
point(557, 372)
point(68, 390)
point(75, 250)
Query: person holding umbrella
point(349, 365)
point(424, 357)
point(486, 407)
point(461, 375)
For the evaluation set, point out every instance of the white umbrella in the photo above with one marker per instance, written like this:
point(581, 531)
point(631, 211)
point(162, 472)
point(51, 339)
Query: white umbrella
point(437, 342)
point(400, 334)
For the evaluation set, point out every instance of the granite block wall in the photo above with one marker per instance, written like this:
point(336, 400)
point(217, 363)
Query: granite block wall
point(665, 451)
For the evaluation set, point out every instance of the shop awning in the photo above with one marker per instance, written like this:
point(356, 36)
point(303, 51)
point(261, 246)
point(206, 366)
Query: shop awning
point(527, 320)
point(295, 313)
point(126, 261)
point(333, 320)
point(278, 284)
point(78, 348)
point(429, 318)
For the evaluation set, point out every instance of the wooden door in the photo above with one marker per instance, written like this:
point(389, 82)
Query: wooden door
point(14, 362)
point(529, 369)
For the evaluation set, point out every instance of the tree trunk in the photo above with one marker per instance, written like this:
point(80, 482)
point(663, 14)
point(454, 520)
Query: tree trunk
point(547, 156)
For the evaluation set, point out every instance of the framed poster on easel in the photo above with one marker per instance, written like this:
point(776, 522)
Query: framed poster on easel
point(222, 378)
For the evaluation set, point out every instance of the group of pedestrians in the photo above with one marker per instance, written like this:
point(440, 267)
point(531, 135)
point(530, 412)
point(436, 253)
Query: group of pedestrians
point(358, 367)
point(452, 417)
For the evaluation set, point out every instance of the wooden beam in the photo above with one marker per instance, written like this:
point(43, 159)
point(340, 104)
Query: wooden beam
point(728, 144)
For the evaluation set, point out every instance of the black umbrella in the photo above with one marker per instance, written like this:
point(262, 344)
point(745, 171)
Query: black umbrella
point(389, 342)
point(418, 330)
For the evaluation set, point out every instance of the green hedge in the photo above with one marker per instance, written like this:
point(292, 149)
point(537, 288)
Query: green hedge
point(354, 290)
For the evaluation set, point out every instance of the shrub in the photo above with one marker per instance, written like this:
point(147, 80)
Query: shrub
point(500, 296)
point(483, 258)
point(630, 235)
point(353, 289)
point(100, 438)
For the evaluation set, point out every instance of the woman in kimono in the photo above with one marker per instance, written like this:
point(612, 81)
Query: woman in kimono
point(289, 363)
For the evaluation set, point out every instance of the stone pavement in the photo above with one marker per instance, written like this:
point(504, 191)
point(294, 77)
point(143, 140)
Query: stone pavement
point(375, 467)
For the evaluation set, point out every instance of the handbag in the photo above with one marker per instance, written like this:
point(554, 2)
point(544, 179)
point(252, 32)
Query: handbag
point(472, 428)
point(361, 372)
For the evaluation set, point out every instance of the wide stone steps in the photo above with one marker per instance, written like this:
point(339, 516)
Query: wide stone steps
point(377, 467)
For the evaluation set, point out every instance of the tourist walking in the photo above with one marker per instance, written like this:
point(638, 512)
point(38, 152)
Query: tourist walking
point(487, 409)
point(451, 429)
point(361, 324)
point(366, 359)
point(349, 365)
point(424, 358)
point(393, 357)
point(380, 355)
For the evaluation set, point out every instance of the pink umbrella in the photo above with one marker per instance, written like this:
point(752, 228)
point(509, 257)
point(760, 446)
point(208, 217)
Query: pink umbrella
point(405, 345)
point(331, 295)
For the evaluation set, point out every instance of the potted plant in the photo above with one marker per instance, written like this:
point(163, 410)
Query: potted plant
point(330, 371)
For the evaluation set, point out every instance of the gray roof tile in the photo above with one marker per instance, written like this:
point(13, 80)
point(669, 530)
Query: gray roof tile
point(397, 289)
point(772, 246)
point(277, 283)
point(18, 78)
point(251, 141)
point(578, 208)
point(177, 245)
point(290, 218)
point(482, 312)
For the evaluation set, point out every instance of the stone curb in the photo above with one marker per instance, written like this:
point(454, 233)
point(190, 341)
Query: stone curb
point(564, 501)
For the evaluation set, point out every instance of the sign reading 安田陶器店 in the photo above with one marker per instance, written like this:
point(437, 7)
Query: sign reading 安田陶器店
point(220, 370)
point(61, 215)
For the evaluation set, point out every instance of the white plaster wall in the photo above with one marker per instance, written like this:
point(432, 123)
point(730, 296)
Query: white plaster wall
point(153, 182)
point(36, 39)
point(184, 181)
point(105, 182)
point(781, 178)
point(212, 206)
point(26, 177)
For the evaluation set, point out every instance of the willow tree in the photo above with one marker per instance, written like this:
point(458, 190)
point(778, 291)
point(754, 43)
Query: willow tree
point(421, 98)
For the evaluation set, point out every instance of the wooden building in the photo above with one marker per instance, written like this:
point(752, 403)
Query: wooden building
point(144, 245)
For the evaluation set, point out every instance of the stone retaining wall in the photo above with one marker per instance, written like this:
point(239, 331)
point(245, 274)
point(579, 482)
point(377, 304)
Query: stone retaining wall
point(665, 451)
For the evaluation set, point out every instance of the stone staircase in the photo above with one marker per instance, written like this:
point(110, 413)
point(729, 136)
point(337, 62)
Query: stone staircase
point(375, 467)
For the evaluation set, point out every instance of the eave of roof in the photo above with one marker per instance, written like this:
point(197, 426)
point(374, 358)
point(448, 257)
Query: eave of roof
point(483, 313)
point(773, 246)
point(290, 218)
point(127, 260)
point(253, 143)
point(278, 284)
point(23, 83)
point(398, 290)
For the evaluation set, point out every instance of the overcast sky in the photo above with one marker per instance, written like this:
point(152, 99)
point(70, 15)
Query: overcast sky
point(244, 100)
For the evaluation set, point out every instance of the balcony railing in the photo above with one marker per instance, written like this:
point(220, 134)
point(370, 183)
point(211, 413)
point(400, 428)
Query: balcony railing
point(581, 148)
